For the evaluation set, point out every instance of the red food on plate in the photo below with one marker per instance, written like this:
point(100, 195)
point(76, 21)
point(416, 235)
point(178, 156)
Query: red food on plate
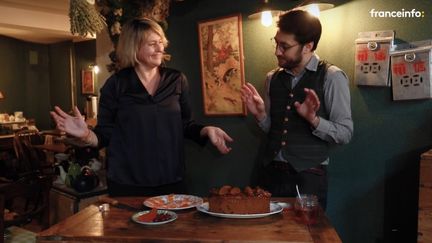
point(162, 217)
point(148, 217)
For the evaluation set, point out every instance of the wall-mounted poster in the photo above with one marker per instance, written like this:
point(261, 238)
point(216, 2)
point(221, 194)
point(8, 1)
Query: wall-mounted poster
point(222, 68)
point(87, 81)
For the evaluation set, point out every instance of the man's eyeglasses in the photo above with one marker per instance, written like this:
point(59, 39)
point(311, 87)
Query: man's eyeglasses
point(283, 47)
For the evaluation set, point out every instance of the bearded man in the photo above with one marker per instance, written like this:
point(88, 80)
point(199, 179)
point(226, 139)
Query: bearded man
point(306, 108)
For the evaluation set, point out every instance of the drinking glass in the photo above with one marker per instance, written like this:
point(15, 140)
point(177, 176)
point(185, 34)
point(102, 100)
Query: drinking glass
point(306, 209)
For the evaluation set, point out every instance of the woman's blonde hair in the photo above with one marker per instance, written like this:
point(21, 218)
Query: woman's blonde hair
point(133, 34)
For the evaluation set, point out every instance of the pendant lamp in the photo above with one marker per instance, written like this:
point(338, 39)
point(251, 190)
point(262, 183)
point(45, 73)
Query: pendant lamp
point(314, 7)
point(266, 14)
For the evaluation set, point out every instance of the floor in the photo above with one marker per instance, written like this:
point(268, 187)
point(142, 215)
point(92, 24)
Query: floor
point(15, 234)
point(23, 234)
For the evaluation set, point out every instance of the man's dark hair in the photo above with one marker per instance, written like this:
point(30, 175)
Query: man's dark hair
point(304, 26)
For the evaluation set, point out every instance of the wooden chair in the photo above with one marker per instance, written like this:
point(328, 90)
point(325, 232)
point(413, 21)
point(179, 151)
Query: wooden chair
point(30, 159)
point(26, 199)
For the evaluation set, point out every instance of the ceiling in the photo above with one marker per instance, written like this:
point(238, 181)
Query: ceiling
point(39, 21)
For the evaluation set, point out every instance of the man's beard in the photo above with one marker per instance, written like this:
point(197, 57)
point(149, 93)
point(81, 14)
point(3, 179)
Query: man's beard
point(290, 63)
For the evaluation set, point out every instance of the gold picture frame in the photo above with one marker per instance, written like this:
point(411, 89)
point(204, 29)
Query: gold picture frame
point(87, 81)
point(222, 65)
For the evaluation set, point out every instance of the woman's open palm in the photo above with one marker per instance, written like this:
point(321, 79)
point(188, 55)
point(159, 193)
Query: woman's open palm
point(72, 125)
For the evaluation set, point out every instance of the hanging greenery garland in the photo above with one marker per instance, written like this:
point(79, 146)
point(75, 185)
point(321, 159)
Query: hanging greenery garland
point(84, 18)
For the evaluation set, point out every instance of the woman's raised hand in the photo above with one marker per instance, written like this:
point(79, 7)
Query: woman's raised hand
point(72, 125)
point(218, 137)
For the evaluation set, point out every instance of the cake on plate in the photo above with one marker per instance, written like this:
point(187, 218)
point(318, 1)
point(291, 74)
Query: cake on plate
point(232, 200)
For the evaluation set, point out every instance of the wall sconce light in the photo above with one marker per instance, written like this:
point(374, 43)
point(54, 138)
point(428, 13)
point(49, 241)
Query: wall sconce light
point(94, 67)
point(266, 14)
point(1, 95)
point(314, 7)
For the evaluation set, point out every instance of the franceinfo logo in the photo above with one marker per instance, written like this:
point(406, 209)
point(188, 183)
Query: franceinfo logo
point(403, 13)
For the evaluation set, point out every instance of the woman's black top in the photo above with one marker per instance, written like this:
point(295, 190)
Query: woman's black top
point(144, 133)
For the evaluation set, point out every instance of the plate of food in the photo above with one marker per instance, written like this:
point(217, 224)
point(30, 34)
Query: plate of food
point(154, 217)
point(274, 209)
point(173, 202)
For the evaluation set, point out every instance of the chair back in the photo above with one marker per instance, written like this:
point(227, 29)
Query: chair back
point(29, 159)
point(28, 199)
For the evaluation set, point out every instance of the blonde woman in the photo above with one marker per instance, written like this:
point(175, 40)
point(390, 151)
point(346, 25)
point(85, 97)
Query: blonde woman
point(144, 115)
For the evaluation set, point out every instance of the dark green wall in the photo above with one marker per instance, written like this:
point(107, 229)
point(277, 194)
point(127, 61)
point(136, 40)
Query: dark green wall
point(25, 83)
point(373, 190)
point(35, 77)
point(11, 84)
point(61, 55)
point(85, 55)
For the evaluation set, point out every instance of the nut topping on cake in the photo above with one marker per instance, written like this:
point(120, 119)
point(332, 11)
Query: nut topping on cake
point(248, 191)
point(235, 191)
point(224, 190)
point(262, 192)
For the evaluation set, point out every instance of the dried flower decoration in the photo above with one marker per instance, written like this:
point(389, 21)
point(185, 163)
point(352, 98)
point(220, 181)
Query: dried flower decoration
point(84, 18)
point(115, 28)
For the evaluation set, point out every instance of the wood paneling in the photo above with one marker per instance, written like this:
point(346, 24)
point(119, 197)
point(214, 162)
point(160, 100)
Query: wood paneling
point(425, 199)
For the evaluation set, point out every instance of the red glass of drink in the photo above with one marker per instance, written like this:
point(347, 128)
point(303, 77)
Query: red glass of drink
point(306, 209)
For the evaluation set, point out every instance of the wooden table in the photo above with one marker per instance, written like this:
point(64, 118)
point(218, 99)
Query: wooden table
point(115, 225)
point(53, 132)
point(55, 147)
point(65, 201)
point(425, 199)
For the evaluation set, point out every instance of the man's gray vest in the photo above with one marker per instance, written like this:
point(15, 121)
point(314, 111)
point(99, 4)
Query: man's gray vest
point(289, 132)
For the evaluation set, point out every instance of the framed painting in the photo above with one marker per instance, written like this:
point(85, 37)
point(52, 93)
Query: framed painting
point(222, 66)
point(87, 81)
